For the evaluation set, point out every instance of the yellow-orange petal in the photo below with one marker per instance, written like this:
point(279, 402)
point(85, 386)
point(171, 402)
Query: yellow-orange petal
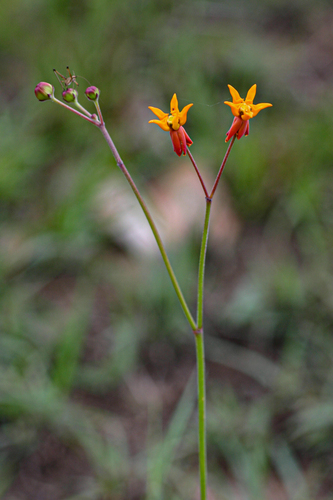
point(174, 105)
point(183, 114)
point(234, 107)
point(162, 124)
point(158, 112)
point(258, 107)
point(236, 98)
point(251, 94)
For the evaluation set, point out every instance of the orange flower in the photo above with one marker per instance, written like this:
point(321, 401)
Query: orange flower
point(173, 123)
point(243, 111)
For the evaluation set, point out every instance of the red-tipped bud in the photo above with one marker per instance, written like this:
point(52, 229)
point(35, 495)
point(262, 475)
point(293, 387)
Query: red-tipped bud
point(70, 95)
point(92, 93)
point(44, 91)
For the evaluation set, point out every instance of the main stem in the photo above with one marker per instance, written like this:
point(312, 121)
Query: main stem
point(199, 335)
point(159, 242)
point(202, 260)
point(200, 353)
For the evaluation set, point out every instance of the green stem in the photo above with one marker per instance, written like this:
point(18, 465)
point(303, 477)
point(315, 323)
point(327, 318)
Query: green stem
point(202, 260)
point(159, 242)
point(199, 343)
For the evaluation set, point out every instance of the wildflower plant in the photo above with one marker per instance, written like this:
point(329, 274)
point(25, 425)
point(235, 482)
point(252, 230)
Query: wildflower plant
point(243, 110)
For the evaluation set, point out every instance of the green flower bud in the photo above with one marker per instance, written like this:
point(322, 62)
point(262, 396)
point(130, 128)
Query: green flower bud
point(44, 91)
point(92, 93)
point(70, 95)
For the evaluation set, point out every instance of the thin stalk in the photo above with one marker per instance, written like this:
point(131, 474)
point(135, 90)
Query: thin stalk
point(222, 167)
point(199, 344)
point(159, 242)
point(79, 106)
point(95, 122)
point(98, 108)
point(198, 173)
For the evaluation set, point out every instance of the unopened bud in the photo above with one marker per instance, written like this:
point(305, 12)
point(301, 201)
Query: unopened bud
point(44, 91)
point(70, 95)
point(92, 93)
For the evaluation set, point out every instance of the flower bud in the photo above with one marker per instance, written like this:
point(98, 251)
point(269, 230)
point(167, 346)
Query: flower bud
point(70, 95)
point(92, 93)
point(44, 91)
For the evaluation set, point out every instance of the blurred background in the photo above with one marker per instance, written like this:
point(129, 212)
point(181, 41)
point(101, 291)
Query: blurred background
point(97, 381)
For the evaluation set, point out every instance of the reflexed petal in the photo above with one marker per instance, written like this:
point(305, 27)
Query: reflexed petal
point(183, 114)
point(251, 94)
point(189, 141)
point(182, 137)
point(258, 107)
point(174, 105)
point(163, 124)
point(236, 98)
point(236, 125)
point(242, 129)
point(247, 130)
point(176, 142)
point(158, 112)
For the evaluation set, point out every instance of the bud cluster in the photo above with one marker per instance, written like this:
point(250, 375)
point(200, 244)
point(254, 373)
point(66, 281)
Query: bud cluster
point(45, 91)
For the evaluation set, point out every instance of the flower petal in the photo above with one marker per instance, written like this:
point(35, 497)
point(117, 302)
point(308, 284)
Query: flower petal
point(158, 112)
point(242, 129)
point(182, 137)
point(174, 105)
point(162, 124)
point(258, 107)
point(247, 130)
point(234, 107)
point(236, 125)
point(189, 141)
point(236, 98)
point(176, 142)
point(251, 94)
point(183, 114)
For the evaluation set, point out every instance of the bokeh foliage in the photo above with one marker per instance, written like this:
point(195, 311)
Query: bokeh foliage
point(96, 360)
